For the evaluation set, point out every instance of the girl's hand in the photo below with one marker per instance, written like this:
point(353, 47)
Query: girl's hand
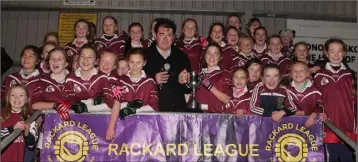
point(310, 120)
point(20, 124)
point(240, 113)
point(277, 115)
point(300, 113)
point(322, 116)
point(110, 133)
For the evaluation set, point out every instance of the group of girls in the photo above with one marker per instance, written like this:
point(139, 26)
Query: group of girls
point(241, 73)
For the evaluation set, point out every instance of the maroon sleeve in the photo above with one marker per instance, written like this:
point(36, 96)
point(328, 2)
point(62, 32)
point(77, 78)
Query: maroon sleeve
point(255, 100)
point(319, 104)
point(38, 92)
point(226, 83)
point(289, 104)
point(153, 96)
point(68, 90)
point(106, 91)
point(245, 105)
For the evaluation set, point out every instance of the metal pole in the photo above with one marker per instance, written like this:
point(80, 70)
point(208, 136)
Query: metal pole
point(340, 134)
point(17, 132)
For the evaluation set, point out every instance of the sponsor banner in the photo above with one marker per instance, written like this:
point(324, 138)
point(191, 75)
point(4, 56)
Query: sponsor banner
point(316, 33)
point(66, 25)
point(181, 137)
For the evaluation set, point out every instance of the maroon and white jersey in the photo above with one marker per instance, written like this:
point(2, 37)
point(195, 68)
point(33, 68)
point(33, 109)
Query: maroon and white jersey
point(29, 80)
point(227, 53)
point(144, 88)
point(44, 69)
point(49, 90)
point(239, 100)
point(73, 48)
point(80, 89)
point(241, 59)
point(284, 62)
point(221, 80)
point(194, 50)
point(15, 150)
point(337, 97)
point(308, 100)
point(260, 53)
point(148, 42)
point(116, 43)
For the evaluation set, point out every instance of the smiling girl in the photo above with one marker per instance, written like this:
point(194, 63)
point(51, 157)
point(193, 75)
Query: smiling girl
point(28, 74)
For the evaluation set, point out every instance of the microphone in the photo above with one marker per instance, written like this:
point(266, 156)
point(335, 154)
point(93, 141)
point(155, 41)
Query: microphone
point(166, 69)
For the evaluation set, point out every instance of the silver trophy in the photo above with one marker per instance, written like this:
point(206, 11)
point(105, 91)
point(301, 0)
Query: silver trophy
point(194, 83)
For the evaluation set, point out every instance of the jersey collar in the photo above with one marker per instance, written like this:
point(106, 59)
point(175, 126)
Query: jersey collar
point(329, 67)
point(142, 75)
point(308, 84)
point(78, 73)
point(32, 74)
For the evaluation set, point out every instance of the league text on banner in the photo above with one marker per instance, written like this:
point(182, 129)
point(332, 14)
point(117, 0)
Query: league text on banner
point(182, 137)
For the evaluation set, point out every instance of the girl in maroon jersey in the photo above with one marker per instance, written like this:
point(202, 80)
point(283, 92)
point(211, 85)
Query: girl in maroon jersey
point(75, 64)
point(232, 37)
point(274, 56)
point(213, 94)
point(107, 65)
point(88, 84)
point(260, 38)
point(239, 104)
point(301, 53)
point(50, 91)
point(136, 85)
point(245, 54)
point(216, 34)
point(81, 28)
point(306, 96)
point(234, 20)
point(335, 82)
point(110, 38)
point(47, 47)
point(190, 44)
point(107, 61)
point(28, 74)
point(13, 115)
point(122, 67)
point(252, 25)
point(135, 39)
point(253, 67)
point(51, 37)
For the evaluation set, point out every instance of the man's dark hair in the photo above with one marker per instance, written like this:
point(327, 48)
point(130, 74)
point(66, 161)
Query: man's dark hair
point(166, 23)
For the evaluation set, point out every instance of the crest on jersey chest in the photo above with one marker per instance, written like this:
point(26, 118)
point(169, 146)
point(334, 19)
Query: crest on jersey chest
point(76, 88)
point(324, 81)
point(70, 53)
point(100, 45)
point(12, 83)
point(241, 63)
point(50, 88)
point(124, 89)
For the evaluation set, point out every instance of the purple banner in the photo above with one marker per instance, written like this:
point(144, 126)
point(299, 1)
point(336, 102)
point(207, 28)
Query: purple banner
point(181, 137)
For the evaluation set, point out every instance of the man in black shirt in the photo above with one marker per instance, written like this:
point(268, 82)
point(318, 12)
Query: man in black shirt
point(166, 64)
